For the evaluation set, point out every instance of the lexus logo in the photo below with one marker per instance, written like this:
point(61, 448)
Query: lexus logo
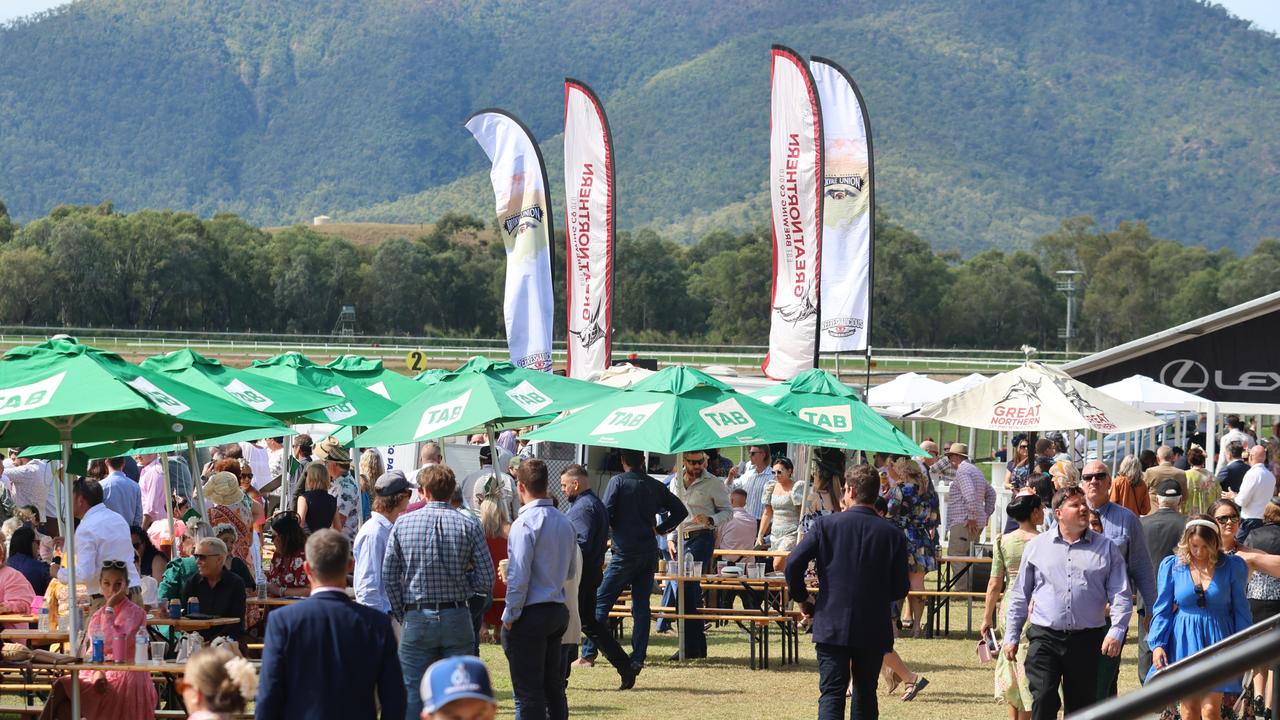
point(1186, 375)
point(1194, 377)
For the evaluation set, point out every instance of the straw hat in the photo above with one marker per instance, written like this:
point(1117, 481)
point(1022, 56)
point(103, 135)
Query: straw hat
point(223, 488)
point(330, 449)
point(960, 449)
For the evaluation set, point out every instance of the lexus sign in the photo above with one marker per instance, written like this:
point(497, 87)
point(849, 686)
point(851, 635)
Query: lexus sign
point(1239, 363)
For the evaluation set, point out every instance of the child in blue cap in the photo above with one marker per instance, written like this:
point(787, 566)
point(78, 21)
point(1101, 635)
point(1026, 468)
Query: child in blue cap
point(458, 688)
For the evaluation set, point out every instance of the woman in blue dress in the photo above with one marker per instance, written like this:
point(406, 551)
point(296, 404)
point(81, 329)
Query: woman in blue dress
point(1200, 601)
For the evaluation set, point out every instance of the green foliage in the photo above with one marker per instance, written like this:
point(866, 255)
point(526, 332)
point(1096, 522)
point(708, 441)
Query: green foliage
point(93, 266)
point(992, 120)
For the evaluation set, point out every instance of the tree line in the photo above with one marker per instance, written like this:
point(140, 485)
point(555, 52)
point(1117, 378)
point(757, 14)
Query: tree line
point(91, 266)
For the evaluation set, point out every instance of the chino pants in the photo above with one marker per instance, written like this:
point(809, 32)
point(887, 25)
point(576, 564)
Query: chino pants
point(595, 631)
point(532, 646)
point(1066, 658)
point(428, 636)
point(834, 671)
point(626, 569)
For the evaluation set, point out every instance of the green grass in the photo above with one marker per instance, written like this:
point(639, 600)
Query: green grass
point(724, 687)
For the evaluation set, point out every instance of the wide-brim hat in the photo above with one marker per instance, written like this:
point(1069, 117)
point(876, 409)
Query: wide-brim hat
point(330, 450)
point(958, 448)
point(223, 488)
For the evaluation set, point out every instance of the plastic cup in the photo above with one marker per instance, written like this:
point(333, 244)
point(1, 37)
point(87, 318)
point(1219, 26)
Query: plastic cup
point(697, 569)
point(157, 653)
point(720, 566)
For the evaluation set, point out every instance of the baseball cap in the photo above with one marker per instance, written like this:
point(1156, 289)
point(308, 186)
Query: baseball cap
point(1168, 488)
point(392, 482)
point(456, 678)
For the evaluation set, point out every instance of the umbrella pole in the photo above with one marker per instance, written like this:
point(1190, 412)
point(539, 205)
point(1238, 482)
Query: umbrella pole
point(804, 502)
point(286, 476)
point(493, 460)
point(73, 611)
point(196, 478)
point(680, 622)
point(168, 503)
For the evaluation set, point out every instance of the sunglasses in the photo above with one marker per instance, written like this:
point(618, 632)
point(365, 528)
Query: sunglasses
point(1201, 601)
point(1094, 476)
point(695, 462)
point(1023, 446)
point(204, 556)
point(1227, 519)
point(113, 565)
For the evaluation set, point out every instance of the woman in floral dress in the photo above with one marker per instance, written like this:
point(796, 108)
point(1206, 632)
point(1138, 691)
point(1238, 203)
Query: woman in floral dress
point(913, 506)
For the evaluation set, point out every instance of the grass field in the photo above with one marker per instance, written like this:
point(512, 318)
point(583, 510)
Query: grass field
point(722, 687)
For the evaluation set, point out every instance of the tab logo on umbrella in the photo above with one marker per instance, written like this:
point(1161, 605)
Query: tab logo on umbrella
point(340, 411)
point(438, 416)
point(626, 419)
point(380, 388)
point(241, 391)
point(167, 402)
point(834, 418)
point(29, 397)
point(726, 418)
point(528, 397)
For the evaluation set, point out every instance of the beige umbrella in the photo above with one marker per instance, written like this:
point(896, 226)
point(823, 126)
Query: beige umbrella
point(1036, 397)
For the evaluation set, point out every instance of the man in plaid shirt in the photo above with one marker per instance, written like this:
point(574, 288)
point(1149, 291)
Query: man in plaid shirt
point(969, 504)
point(436, 559)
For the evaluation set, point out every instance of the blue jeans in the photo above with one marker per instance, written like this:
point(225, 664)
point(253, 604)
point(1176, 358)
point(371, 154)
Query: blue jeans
point(634, 569)
point(428, 636)
point(702, 546)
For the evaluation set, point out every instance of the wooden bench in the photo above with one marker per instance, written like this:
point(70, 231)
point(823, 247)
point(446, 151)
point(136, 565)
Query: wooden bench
point(757, 628)
point(24, 710)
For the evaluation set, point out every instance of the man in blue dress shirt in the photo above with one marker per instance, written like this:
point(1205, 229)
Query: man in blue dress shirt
point(540, 551)
point(122, 495)
point(1068, 576)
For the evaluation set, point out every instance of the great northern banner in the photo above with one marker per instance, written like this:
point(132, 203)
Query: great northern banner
point(795, 187)
point(589, 230)
point(847, 212)
point(519, 180)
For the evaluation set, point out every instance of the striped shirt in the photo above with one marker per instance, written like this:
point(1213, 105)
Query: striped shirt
point(435, 555)
point(971, 496)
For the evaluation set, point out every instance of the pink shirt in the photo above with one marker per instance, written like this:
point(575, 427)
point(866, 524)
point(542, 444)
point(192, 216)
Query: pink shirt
point(15, 592)
point(738, 532)
point(151, 482)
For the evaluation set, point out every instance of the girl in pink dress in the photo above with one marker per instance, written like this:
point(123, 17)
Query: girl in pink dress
point(110, 694)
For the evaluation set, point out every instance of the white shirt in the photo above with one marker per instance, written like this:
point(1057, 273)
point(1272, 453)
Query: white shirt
point(1229, 437)
point(259, 462)
point(1256, 490)
point(102, 535)
point(753, 481)
point(30, 484)
point(276, 465)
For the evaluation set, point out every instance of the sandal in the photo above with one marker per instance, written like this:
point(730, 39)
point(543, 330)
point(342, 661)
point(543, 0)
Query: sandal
point(914, 687)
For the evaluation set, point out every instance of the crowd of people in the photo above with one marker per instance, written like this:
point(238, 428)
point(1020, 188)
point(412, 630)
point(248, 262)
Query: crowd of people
point(412, 570)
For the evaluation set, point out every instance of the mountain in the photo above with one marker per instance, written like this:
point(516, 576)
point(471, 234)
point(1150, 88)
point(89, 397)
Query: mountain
point(992, 120)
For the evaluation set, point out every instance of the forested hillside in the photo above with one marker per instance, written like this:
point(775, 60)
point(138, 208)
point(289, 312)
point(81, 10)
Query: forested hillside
point(992, 120)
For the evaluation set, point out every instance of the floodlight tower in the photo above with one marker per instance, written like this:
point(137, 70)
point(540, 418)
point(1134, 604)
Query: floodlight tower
point(1067, 285)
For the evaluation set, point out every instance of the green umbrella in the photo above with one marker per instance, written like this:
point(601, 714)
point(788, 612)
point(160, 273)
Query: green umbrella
point(680, 409)
point(373, 376)
point(481, 394)
point(266, 395)
point(819, 399)
point(62, 390)
point(359, 406)
point(430, 377)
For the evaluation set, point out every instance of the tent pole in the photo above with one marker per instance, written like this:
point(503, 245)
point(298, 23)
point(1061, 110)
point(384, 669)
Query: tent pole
point(1210, 441)
point(680, 627)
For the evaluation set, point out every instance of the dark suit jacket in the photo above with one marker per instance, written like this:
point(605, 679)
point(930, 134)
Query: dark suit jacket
point(1232, 474)
point(862, 570)
point(1163, 530)
point(326, 657)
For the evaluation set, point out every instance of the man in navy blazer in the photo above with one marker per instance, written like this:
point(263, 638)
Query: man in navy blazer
point(328, 656)
point(862, 570)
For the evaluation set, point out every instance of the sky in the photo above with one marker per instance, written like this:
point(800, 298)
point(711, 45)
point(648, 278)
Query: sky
point(1264, 13)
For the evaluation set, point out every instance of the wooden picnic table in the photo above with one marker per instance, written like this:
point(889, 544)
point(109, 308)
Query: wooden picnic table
point(186, 624)
point(38, 637)
point(273, 601)
point(15, 618)
point(768, 598)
